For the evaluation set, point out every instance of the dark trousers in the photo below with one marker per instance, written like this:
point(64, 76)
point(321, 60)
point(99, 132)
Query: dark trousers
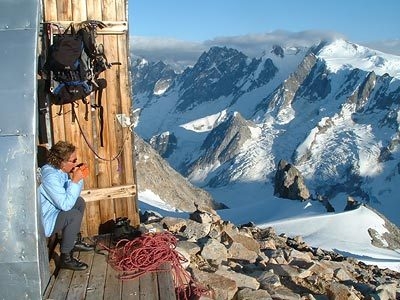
point(69, 222)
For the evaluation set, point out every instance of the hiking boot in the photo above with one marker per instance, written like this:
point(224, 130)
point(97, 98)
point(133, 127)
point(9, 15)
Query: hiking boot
point(82, 246)
point(67, 261)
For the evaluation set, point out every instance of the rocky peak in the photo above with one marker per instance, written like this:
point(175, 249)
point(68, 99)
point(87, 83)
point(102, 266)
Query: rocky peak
point(164, 143)
point(278, 51)
point(214, 75)
point(155, 175)
point(289, 183)
point(224, 142)
point(148, 76)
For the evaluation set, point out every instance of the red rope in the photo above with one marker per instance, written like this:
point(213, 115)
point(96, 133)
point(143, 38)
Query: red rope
point(146, 254)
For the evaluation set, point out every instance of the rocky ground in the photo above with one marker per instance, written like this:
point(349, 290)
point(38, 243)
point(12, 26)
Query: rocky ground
point(247, 262)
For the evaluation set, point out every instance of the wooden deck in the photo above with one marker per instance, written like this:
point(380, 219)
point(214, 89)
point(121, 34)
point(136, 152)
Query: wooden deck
point(100, 281)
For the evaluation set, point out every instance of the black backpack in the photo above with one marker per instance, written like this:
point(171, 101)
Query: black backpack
point(74, 63)
point(120, 229)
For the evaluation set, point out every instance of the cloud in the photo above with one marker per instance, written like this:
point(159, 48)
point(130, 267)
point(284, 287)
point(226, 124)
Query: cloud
point(386, 46)
point(185, 53)
point(168, 50)
point(254, 44)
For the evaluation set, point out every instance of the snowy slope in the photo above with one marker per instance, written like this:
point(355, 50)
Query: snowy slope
point(345, 233)
point(331, 110)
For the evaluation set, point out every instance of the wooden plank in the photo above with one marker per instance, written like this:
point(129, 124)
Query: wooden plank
point(88, 157)
point(109, 192)
point(130, 289)
point(112, 27)
point(92, 216)
point(79, 282)
point(97, 278)
point(121, 8)
point(124, 206)
point(49, 288)
point(114, 135)
point(166, 287)
point(148, 286)
point(79, 10)
point(77, 126)
point(61, 285)
point(77, 123)
point(49, 10)
point(127, 154)
point(126, 106)
point(94, 9)
point(113, 285)
point(106, 170)
point(64, 10)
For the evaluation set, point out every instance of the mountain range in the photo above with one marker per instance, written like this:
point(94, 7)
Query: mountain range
point(224, 123)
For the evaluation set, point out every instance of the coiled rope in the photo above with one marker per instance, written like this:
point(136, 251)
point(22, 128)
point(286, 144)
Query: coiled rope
point(147, 253)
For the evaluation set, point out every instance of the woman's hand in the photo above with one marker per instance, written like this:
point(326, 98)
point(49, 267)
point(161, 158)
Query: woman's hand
point(79, 172)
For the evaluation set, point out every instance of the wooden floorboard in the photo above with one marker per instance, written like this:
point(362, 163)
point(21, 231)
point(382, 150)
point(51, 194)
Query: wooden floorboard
point(101, 281)
point(79, 282)
point(97, 278)
point(130, 289)
point(112, 289)
point(165, 283)
point(148, 287)
point(61, 285)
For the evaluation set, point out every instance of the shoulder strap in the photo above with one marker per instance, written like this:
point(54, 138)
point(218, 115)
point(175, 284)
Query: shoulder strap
point(98, 95)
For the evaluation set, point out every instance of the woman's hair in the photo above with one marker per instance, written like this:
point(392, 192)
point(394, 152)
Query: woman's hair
point(60, 152)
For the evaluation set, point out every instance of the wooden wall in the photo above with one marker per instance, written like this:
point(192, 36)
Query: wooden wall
point(113, 164)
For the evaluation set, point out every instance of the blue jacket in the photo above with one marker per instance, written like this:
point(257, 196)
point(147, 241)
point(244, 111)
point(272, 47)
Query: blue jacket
point(57, 193)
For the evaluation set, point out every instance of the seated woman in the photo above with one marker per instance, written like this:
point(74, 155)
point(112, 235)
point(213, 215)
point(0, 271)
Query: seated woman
point(62, 207)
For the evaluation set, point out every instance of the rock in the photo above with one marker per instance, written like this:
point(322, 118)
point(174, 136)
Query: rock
point(249, 294)
point(338, 291)
point(253, 263)
point(284, 293)
point(239, 252)
point(242, 280)
point(195, 230)
point(386, 292)
point(174, 225)
point(201, 217)
point(222, 287)
point(190, 247)
point(268, 280)
point(289, 182)
point(214, 252)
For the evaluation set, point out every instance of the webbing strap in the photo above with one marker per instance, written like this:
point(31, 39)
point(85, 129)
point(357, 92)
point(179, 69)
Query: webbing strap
point(101, 117)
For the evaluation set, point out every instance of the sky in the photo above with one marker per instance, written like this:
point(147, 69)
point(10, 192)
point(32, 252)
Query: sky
point(160, 27)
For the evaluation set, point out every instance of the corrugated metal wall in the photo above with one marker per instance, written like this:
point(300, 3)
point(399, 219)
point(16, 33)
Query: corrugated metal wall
point(24, 268)
point(23, 264)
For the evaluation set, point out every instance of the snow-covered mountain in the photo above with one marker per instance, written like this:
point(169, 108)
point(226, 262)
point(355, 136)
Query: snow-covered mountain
point(332, 110)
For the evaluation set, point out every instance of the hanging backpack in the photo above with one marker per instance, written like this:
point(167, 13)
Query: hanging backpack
point(74, 62)
point(71, 68)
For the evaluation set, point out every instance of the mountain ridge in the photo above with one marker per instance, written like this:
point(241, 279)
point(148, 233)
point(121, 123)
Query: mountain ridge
point(310, 105)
